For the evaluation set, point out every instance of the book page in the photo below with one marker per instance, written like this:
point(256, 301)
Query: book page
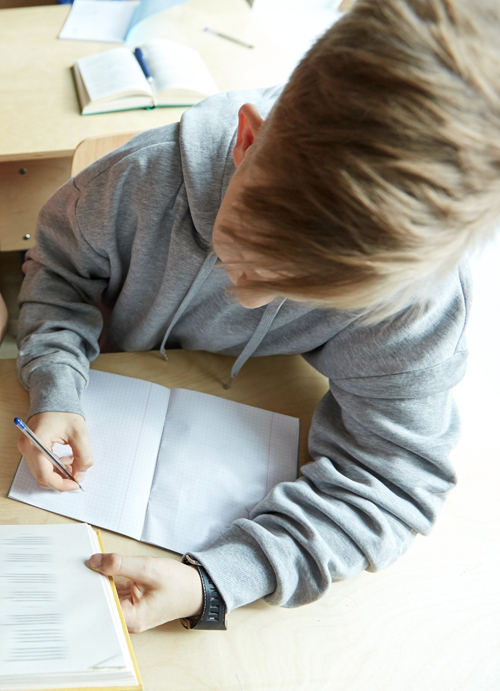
point(125, 419)
point(177, 67)
point(99, 20)
point(56, 623)
point(111, 74)
point(217, 460)
point(147, 8)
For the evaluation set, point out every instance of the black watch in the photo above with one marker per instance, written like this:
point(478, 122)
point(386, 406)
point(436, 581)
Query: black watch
point(213, 614)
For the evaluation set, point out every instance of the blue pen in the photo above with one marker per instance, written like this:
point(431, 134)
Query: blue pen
point(52, 457)
point(140, 59)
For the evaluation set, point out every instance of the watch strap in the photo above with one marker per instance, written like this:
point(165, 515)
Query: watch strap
point(213, 614)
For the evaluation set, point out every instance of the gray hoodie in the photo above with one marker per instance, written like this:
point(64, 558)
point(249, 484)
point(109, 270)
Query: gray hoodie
point(132, 232)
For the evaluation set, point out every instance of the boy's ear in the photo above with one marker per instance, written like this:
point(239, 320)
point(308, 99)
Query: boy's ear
point(249, 122)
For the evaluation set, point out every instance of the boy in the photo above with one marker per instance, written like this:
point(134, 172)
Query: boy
point(340, 227)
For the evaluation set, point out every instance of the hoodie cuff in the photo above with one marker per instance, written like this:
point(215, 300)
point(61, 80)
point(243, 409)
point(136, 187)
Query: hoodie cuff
point(56, 390)
point(239, 568)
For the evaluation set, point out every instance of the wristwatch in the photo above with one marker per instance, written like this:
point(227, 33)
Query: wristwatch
point(213, 613)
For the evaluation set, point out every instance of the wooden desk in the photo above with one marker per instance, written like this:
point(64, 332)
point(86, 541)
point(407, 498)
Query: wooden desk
point(430, 622)
point(40, 121)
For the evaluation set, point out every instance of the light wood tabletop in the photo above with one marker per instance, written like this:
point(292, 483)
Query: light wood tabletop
point(39, 111)
point(40, 120)
point(429, 622)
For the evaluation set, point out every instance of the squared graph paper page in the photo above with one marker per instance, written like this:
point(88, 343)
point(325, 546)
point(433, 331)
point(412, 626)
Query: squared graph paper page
point(217, 459)
point(56, 621)
point(125, 420)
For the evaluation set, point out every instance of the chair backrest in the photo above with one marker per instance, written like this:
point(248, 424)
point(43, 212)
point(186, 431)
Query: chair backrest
point(89, 150)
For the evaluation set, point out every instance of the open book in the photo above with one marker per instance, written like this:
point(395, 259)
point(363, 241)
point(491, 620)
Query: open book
point(114, 80)
point(172, 467)
point(61, 624)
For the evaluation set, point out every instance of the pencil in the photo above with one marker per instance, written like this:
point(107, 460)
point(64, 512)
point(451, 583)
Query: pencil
point(228, 38)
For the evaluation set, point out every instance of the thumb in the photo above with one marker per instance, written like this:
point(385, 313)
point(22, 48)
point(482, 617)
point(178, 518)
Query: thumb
point(133, 568)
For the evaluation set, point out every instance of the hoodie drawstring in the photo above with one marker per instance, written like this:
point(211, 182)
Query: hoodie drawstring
point(258, 335)
point(202, 275)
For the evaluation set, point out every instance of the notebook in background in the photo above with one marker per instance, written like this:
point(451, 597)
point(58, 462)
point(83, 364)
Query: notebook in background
point(109, 20)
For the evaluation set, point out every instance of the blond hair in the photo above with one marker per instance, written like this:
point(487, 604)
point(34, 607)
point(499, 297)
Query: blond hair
point(380, 163)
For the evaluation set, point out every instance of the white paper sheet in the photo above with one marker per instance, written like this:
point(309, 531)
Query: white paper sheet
point(217, 460)
point(125, 449)
point(109, 20)
point(147, 8)
point(174, 468)
point(99, 20)
point(175, 66)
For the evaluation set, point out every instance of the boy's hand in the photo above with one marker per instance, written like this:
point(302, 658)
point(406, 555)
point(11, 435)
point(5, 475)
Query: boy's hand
point(57, 428)
point(158, 590)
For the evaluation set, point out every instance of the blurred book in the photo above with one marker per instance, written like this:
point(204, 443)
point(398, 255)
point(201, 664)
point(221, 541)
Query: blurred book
point(114, 79)
point(109, 20)
point(61, 624)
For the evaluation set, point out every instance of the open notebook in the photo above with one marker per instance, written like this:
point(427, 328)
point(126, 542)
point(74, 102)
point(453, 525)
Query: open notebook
point(172, 467)
point(61, 624)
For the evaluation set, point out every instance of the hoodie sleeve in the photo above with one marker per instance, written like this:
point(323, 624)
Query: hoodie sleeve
point(85, 238)
point(380, 440)
point(58, 333)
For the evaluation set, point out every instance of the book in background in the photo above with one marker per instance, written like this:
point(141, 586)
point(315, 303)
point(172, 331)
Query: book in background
point(61, 624)
point(114, 80)
point(110, 20)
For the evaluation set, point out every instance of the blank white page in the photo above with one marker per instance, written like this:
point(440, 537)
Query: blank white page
point(98, 20)
point(217, 459)
point(125, 419)
point(175, 66)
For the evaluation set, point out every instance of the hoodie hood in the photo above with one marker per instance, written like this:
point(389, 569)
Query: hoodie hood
point(197, 160)
point(211, 158)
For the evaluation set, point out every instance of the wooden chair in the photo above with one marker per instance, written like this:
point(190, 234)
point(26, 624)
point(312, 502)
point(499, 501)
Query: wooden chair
point(92, 148)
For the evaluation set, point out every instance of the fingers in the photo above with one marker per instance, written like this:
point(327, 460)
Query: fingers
point(123, 588)
point(138, 569)
point(82, 453)
point(141, 581)
point(57, 428)
point(134, 610)
point(135, 613)
point(42, 469)
point(159, 590)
